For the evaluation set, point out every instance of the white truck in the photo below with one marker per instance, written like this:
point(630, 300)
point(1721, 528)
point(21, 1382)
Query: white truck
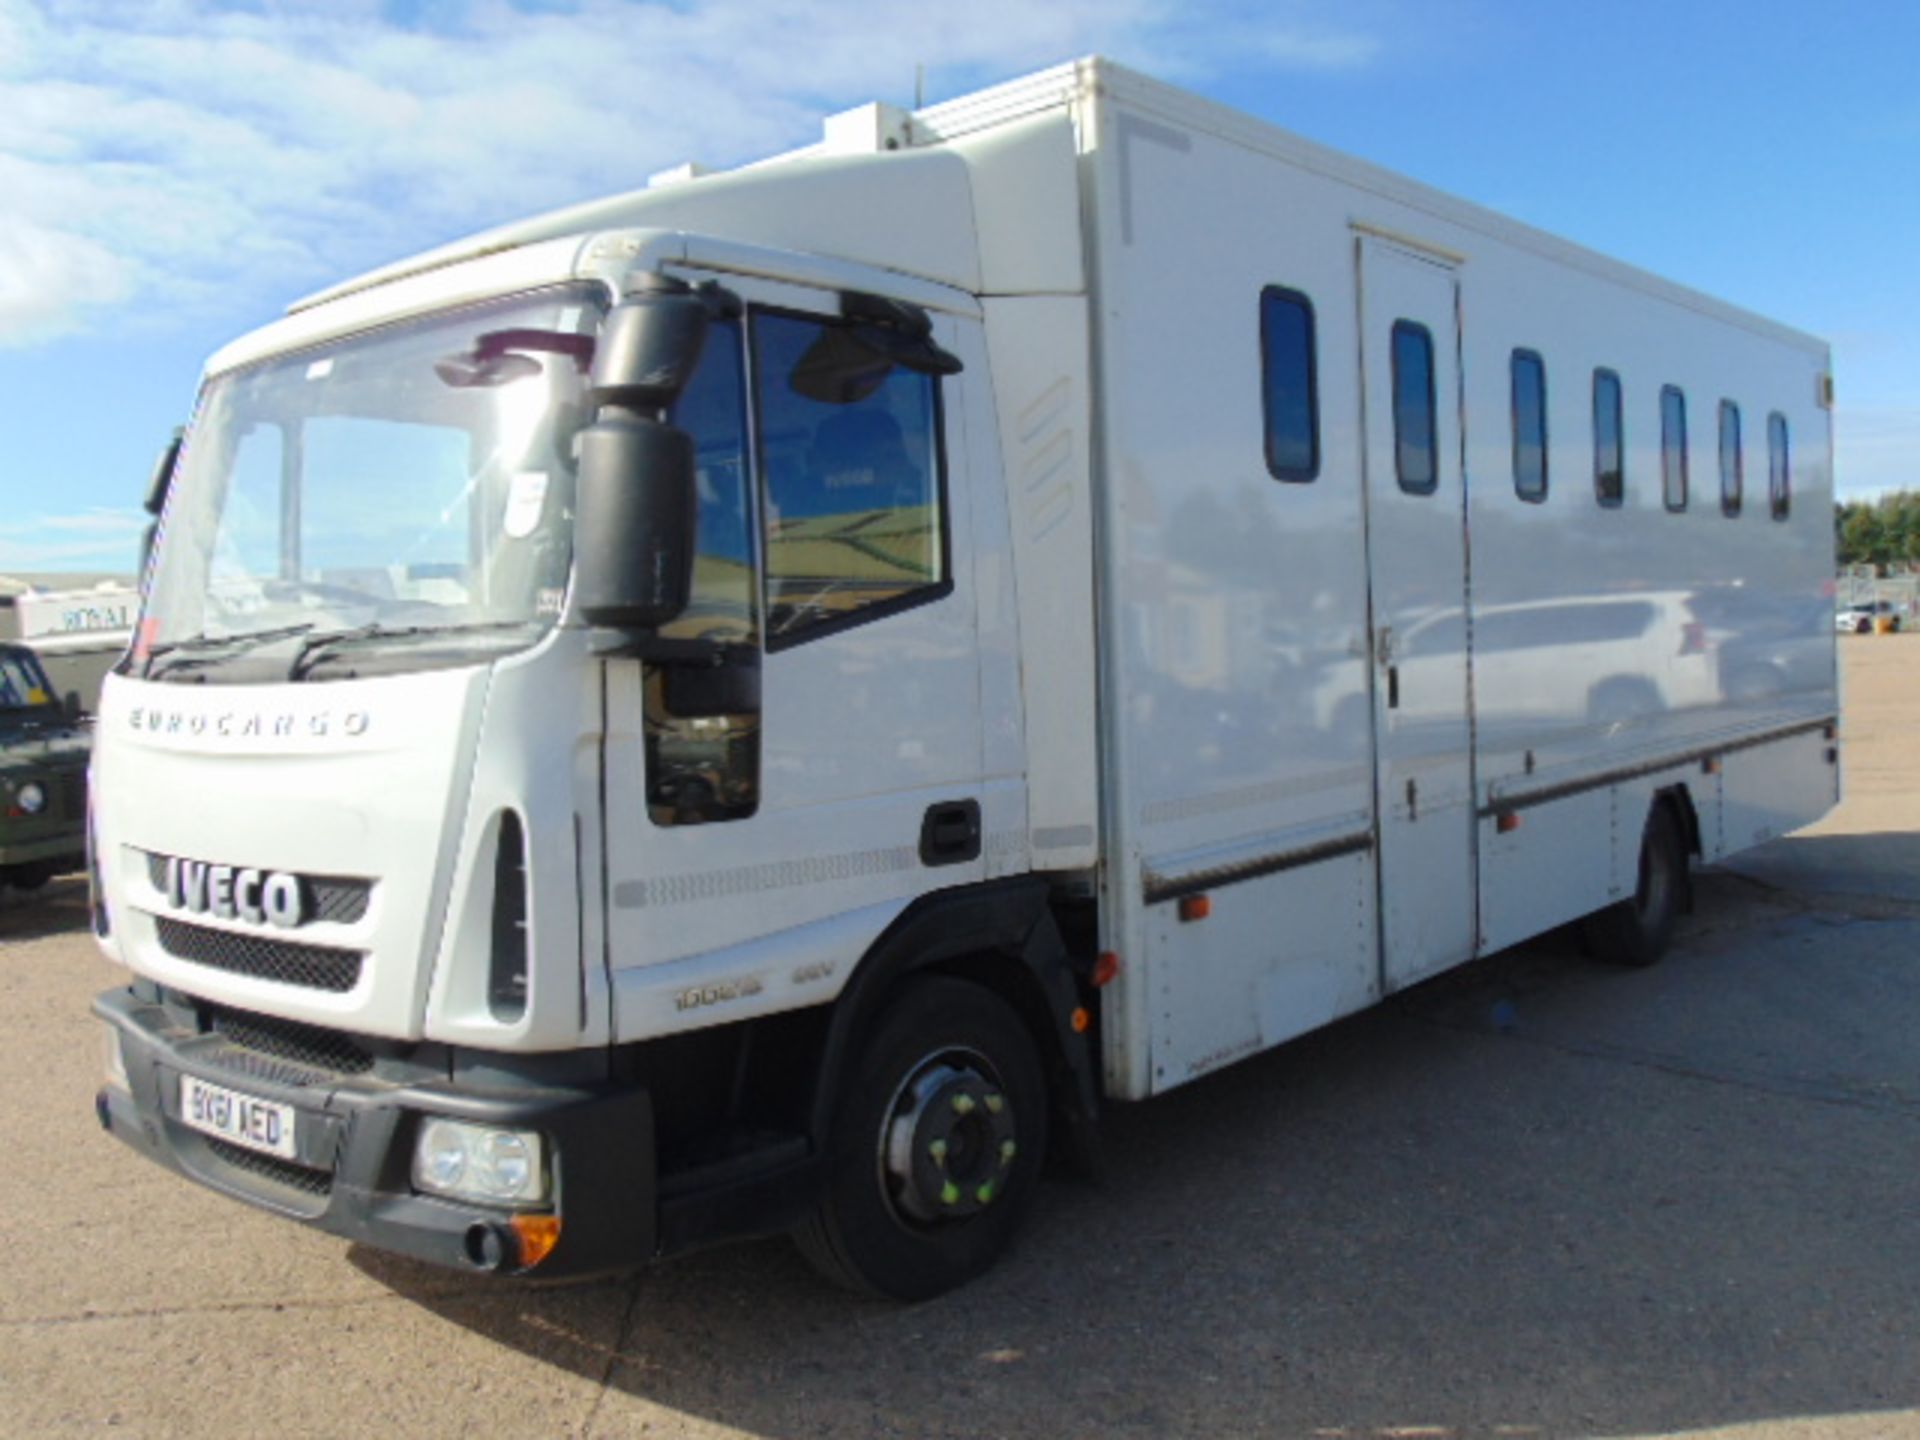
point(762, 704)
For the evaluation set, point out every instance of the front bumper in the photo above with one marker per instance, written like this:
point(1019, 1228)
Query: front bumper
point(354, 1138)
point(68, 845)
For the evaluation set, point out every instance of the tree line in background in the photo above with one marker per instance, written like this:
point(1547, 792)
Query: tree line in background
point(1884, 533)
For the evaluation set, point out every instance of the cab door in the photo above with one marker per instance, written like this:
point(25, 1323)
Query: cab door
point(831, 563)
point(1417, 565)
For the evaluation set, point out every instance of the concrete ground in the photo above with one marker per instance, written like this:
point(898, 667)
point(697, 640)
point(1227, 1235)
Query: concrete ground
point(1537, 1198)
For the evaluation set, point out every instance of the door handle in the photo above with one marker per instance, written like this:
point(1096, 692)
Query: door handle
point(950, 833)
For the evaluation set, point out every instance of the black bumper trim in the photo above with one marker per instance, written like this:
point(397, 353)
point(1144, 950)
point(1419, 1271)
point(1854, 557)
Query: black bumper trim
point(362, 1134)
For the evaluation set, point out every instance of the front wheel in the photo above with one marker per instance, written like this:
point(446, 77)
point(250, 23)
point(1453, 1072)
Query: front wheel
point(936, 1147)
point(1636, 932)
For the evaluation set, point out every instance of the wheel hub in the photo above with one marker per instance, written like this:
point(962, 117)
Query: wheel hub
point(949, 1146)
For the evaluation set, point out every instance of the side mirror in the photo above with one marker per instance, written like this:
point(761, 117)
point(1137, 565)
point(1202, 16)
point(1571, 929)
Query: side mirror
point(158, 484)
point(161, 480)
point(636, 501)
point(72, 707)
point(634, 511)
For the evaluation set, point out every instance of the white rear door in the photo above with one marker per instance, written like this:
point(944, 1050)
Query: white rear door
point(1416, 517)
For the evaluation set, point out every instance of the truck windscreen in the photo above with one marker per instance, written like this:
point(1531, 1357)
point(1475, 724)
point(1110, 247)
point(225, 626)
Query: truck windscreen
point(404, 495)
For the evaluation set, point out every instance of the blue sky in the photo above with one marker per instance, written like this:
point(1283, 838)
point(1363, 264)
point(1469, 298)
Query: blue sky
point(175, 171)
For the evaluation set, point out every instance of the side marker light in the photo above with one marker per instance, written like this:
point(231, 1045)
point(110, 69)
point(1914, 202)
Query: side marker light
point(1081, 1019)
point(1195, 907)
point(1506, 822)
point(1106, 966)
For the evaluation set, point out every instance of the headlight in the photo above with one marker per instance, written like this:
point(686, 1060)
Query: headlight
point(31, 797)
point(480, 1162)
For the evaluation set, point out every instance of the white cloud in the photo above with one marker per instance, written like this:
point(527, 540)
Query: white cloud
point(98, 538)
point(47, 276)
point(191, 152)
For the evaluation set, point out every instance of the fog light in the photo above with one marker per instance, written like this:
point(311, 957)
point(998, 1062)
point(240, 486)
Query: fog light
point(31, 797)
point(116, 1062)
point(480, 1162)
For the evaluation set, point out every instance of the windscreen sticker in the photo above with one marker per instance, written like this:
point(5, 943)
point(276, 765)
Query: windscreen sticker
point(526, 498)
point(549, 600)
point(320, 369)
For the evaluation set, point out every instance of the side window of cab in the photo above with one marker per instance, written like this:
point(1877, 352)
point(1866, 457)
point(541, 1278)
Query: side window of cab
point(853, 476)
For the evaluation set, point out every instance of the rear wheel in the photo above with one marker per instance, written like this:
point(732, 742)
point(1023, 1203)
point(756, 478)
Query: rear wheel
point(936, 1146)
point(1637, 931)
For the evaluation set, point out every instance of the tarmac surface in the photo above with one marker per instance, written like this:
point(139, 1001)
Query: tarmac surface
point(1535, 1198)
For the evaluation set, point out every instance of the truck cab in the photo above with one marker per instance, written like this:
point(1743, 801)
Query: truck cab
point(563, 694)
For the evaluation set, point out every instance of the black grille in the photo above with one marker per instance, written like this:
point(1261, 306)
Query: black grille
point(336, 898)
point(314, 967)
point(272, 1167)
point(73, 794)
point(283, 1050)
point(342, 901)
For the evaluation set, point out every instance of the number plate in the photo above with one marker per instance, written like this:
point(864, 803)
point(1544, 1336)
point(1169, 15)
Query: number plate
point(244, 1119)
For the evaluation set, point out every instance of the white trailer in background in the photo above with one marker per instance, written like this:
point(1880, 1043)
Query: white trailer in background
point(79, 634)
point(762, 703)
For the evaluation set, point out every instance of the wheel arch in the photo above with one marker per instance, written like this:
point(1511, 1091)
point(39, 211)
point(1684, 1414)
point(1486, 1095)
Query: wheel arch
point(1680, 798)
point(1000, 935)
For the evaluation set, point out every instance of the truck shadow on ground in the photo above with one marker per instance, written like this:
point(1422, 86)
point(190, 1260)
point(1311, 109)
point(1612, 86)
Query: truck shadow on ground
point(57, 908)
point(1535, 1198)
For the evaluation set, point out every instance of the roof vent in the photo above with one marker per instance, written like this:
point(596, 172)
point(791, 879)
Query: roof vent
point(678, 175)
point(870, 128)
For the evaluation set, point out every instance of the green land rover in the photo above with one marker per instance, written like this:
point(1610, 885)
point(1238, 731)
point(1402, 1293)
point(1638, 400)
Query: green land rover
point(43, 775)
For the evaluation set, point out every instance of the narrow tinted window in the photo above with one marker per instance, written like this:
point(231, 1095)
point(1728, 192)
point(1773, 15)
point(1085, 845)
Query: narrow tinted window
point(1673, 447)
point(1609, 474)
point(854, 513)
point(1529, 426)
point(1287, 384)
point(1732, 462)
point(1779, 467)
point(706, 767)
point(1414, 443)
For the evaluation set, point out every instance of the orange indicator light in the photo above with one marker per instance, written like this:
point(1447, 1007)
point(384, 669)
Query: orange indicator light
point(1195, 907)
point(537, 1234)
point(1081, 1019)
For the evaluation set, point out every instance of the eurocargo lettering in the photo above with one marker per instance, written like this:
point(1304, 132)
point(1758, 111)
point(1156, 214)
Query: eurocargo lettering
point(766, 703)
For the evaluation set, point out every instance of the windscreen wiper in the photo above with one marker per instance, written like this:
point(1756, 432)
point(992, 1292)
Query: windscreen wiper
point(317, 649)
point(218, 645)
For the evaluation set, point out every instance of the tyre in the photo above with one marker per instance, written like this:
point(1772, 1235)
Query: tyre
point(27, 877)
point(1620, 701)
point(1636, 932)
point(936, 1147)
